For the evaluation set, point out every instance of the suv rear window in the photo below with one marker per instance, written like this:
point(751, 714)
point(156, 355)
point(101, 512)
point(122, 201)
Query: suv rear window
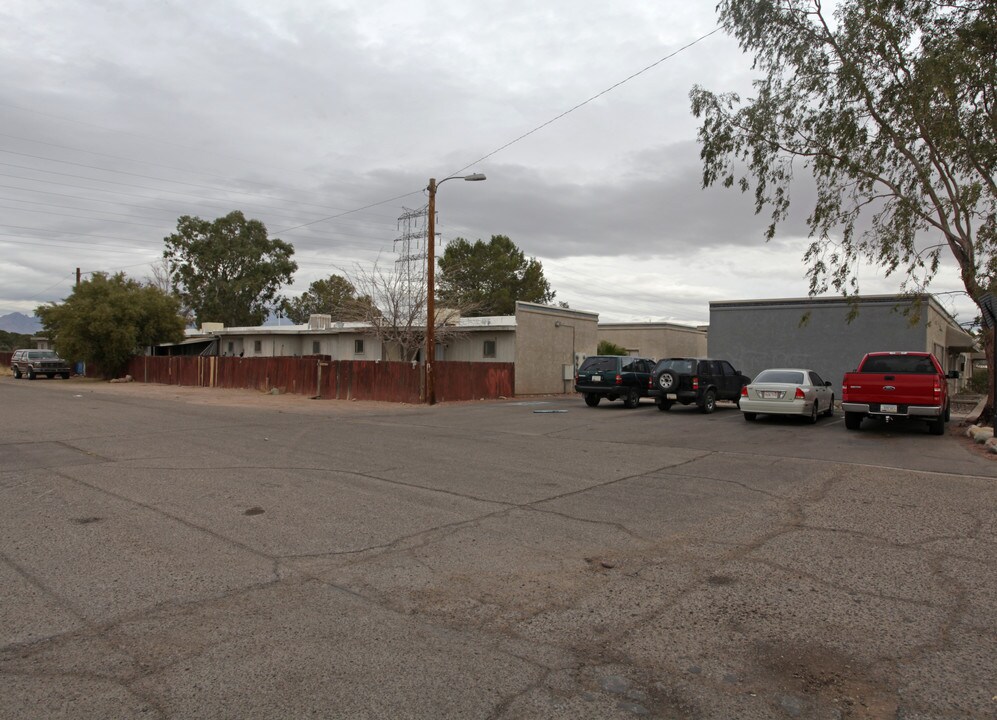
point(599, 364)
point(682, 367)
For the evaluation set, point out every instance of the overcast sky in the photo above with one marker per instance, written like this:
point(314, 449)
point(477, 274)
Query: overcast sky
point(119, 116)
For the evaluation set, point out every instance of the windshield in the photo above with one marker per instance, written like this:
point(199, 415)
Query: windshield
point(42, 355)
point(682, 367)
point(790, 377)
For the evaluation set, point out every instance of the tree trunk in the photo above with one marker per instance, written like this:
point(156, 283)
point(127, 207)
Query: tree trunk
point(987, 416)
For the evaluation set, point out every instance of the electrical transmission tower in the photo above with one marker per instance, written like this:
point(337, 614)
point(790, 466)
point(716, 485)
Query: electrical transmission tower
point(411, 249)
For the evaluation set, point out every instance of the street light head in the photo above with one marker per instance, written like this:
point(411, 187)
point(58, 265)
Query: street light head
point(475, 177)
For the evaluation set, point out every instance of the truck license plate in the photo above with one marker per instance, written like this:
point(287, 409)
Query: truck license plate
point(597, 378)
point(887, 408)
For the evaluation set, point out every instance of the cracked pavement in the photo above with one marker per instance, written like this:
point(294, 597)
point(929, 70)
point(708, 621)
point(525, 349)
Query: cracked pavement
point(173, 553)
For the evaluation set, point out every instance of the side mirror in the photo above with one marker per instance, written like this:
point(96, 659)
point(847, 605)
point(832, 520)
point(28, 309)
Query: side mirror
point(827, 383)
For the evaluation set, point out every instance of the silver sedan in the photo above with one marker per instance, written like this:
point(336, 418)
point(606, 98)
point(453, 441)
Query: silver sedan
point(787, 391)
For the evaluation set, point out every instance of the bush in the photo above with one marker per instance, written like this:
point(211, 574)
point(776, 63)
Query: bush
point(607, 348)
point(978, 383)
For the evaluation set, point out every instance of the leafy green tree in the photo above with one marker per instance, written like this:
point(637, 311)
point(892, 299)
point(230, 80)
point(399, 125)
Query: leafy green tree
point(334, 296)
point(892, 106)
point(228, 270)
point(107, 319)
point(606, 347)
point(490, 277)
point(13, 341)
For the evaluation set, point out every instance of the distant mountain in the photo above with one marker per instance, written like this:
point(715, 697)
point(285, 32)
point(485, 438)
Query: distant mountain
point(17, 322)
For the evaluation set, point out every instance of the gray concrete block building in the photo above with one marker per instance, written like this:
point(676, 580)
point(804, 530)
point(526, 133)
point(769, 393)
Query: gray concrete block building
point(816, 333)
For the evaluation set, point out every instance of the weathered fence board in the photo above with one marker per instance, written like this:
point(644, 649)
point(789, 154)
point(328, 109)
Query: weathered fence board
point(321, 376)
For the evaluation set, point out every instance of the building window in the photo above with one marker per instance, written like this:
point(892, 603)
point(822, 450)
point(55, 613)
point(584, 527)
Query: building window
point(358, 347)
point(257, 346)
point(231, 348)
point(489, 349)
point(316, 347)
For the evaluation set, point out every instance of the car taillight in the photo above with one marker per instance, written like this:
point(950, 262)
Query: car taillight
point(649, 384)
point(619, 379)
point(800, 395)
point(695, 383)
point(744, 391)
point(938, 387)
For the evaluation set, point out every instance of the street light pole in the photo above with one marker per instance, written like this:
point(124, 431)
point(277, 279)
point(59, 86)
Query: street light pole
point(431, 279)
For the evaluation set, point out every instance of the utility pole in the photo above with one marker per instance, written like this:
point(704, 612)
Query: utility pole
point(430, 291)
point(77, 277)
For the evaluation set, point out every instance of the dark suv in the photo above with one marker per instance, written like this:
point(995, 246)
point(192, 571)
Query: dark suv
point(38, 362)
point(612, 377)
point(695, 380)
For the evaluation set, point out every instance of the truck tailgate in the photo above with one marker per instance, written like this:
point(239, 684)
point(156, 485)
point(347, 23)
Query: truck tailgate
point(897, 389)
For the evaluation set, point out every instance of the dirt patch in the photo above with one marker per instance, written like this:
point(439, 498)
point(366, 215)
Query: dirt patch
point(816, 681)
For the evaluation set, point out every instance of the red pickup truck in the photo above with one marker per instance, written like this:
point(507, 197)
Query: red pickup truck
point(893, 385)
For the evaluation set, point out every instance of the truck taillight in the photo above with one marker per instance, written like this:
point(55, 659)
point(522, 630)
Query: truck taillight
point(695, 383)
point(938, 387)
point(800, 395)
point(619, 379)
point(744, 391)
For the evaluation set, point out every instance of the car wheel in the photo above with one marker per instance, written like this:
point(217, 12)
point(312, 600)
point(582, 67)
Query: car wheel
point(853, 420)
point(750, 417)
point(937, 427)
point(664, 405)
point(591, 399)
point(948, 413)
point(31, 374)
point(666, 380)
point(709, 401)
point(65, 376)
point(813, 413)
point(17, 373)
point(830, 408)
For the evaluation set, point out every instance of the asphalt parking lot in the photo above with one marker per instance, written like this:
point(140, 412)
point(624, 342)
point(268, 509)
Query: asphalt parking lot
point(175, 553)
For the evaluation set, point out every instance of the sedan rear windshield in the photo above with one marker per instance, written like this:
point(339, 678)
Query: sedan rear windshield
point(789, 377)
point(682, 367)
point(599, 364)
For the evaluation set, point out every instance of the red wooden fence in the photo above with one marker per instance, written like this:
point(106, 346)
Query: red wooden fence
point(330, 379)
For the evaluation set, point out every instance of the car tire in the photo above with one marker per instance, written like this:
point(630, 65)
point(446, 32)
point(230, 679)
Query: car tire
point(65, 376)
point(937, 426)
point(632, 399)
point(853, 420)
point(17, 373)
point(664, 405)
point(709, 402)
point(948, 413)
point(591, 399)
point(813, 413)
point(667, 380)
point(750, 417)
point(830, 408)
point(31, 374)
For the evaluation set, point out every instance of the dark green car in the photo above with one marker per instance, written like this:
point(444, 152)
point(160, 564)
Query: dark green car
point(613, 377)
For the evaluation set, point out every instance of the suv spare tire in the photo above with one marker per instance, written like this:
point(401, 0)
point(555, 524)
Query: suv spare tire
point(666, 380)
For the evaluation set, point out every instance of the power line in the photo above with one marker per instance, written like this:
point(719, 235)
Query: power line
point(586, 102)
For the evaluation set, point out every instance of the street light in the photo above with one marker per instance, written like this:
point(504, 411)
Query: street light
point(431, 278)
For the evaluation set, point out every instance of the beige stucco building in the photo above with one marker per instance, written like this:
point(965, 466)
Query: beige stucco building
point(656, 339)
